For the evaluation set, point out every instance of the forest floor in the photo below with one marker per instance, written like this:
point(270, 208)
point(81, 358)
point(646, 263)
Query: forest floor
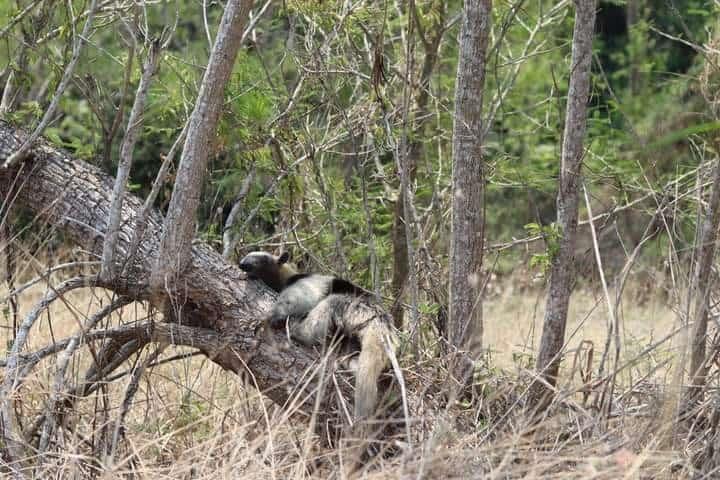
point(191, 419)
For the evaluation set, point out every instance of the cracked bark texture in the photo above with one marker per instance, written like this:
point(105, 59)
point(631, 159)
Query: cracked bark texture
point(218, 309)
point(562, 269)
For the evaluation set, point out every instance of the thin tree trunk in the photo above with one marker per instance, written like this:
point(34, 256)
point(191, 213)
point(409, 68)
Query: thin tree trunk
point(179, 226)
point(415, 151)
point(126, 156)
point(468, 186)
point(707, 461)
point(700, 295)
point(677, 409)
point(632, 12)
point(562, 274)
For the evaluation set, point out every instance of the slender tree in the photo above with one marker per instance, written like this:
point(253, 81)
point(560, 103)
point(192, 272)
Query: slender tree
point(466, 245)
point(179, 226)
point(126, 157)
point(700, 293)
point(431, 40)
point(562, 274)
point(702, 281)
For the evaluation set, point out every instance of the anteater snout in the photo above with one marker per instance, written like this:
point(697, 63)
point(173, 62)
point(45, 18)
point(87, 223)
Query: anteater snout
point(246, 266)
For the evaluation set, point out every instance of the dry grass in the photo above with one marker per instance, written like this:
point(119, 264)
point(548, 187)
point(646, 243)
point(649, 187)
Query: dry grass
point(190, 419)
point(513, 323)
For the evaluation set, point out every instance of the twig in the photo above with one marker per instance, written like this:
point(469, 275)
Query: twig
point(46, 273)
point(19, 155)
point(229, 238)
point(8, 421)
point(254, 19)
point(94, 374)
point(8, 262)
point(110, 132)
point(62, 365)
point(141, 220)
point(207, 27)
point(130, 392)
point(509, 82)
point(18, 17)
point(613, 326)
point(270, 189)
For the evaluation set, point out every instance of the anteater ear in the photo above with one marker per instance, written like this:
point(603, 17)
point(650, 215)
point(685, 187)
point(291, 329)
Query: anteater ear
point(283, 258)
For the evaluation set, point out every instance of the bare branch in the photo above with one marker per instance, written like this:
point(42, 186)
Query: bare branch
point(130, 392)
point(699, 298)
point(17, 18)
point(9, 92)
point(142, 218)
point(12, 378)
point(62, 365)
point(19, 155)
point(254, 19)
point(110, 132)
point(46, 273)
point(613, 326)
point(230, 239)
point(126, 157)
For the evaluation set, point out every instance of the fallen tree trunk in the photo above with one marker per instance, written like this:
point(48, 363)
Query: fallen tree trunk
point(217, 311)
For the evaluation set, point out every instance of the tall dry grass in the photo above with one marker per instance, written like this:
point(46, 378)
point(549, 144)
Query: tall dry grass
point(191, 419)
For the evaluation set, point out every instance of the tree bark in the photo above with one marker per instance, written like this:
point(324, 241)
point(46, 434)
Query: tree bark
point(179, 225)
point(706, 460)
point(468, 186)
point(562, 274)
point(220, 309)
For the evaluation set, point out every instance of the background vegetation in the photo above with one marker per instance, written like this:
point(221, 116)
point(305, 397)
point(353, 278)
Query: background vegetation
point(307, 155)
point(645, 109)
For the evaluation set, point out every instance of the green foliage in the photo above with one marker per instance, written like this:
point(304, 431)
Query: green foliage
point(428, 309)
point(551, 234)
point(192, 411)
point(314, 149)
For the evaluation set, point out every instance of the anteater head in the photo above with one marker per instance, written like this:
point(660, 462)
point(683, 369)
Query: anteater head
point(273, 270)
